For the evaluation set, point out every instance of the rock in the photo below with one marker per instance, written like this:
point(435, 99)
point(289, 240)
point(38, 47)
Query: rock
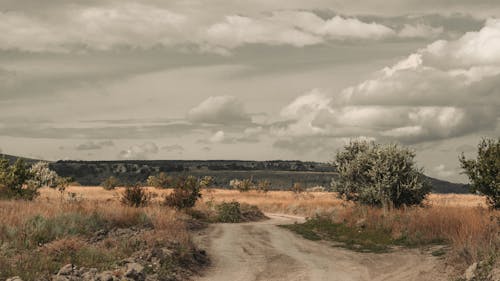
point(89, 274)
point(66, 270)
point(15, 278)
point(105, 276)
point(470, 273)
point(135, 272)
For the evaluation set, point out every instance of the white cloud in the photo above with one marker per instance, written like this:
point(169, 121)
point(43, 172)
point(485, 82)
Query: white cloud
point(423, 97)
point(100, 28)
point(219, 110)
point(139, 152)
point(218, 137)
point(295, 28)
point(146, 26)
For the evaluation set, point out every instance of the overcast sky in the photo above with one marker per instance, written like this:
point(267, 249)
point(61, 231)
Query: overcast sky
point(255, 79)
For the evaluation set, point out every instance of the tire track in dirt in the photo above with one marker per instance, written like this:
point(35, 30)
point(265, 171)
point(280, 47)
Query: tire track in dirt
point(259, 251)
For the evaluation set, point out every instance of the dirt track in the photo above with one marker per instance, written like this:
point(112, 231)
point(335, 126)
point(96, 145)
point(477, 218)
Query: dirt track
point(262, 251)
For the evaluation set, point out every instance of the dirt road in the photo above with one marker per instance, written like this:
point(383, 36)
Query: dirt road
point(263, 251)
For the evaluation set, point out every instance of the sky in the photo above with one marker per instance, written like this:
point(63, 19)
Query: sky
point(251, 80)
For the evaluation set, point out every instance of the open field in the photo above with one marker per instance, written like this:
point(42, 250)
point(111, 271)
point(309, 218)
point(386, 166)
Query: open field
point(56, 229)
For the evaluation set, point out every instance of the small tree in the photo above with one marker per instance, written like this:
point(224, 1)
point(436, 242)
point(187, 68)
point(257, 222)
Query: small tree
point(484, 172)
point(135, 196)
point(186, 192)
point(379, 175)
point(14, 179)
point(43, 176)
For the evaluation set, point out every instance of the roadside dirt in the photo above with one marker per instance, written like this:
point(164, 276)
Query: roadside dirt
point(263, 251)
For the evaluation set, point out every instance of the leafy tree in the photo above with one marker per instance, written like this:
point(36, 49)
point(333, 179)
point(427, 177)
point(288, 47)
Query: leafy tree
point(20, 181)
point(43, 176)
point(483, 172)
point(13, 180)
point(379, 175)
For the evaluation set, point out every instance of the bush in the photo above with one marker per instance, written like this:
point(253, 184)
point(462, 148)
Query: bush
point(110, 183)
point(187, 190)
point(14, 179)
point(242, 185)
point(379, 175)
point(162, 180)
point(484, 172)
point(229, 212)
point(135, 196)
point(297, 188)
point(263, 186)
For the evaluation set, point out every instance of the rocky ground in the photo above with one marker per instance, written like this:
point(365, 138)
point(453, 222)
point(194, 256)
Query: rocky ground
point(160, 263)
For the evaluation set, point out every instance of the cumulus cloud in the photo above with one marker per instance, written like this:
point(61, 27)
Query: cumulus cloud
point(139, 152)
point(447, 89)
point(219, 110)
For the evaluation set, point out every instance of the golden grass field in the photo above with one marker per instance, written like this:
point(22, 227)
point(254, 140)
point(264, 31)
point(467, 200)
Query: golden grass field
point(471, 230)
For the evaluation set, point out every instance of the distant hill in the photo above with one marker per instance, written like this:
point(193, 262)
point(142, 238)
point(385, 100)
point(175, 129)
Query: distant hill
point(13, 159)
point(281, 174)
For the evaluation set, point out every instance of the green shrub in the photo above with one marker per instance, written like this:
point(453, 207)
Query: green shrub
point(14, 179)
point(110, 183)
point(484, 172)
point(135, 196)
point(229, 212)
point(187, 190)
point(379, 175)
point(162, 180)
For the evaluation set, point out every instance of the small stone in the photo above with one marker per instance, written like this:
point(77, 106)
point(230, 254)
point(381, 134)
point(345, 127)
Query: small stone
point(135, 272)
point(66, 270)
point(470, 273)
point(15, 278)
point(105, 276)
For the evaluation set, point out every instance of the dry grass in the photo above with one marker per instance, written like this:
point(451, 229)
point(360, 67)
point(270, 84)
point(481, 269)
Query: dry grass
point(464, 221)
point(38, 237)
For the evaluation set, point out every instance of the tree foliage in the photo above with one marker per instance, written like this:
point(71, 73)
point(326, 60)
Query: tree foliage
point(135, 196)
point(379, 175)
point(483, 172)
point(187, 190)
point(21, 181)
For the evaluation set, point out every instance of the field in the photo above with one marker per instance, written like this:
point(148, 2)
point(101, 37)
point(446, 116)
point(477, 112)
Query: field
point(58, 229)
